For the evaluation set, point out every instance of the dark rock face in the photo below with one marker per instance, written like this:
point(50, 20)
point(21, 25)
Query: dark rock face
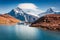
point(16, 15)
point(50, 10)
point(22, 15)
point(50, 22)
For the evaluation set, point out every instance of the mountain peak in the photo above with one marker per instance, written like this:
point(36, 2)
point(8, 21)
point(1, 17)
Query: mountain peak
point(50, 10)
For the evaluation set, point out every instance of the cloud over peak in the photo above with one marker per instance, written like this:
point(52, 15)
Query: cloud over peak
point(27, 6)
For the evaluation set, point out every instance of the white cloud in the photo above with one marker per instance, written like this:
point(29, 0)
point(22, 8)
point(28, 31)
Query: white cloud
point(30, 6)
point(27, 6)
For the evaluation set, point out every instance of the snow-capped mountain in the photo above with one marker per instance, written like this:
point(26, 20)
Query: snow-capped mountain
point(49, 11)
point(17, 15)
point(24, 13)
point(29, 12)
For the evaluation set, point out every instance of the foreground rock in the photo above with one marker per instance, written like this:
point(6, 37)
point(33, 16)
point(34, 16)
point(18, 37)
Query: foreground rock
point(50, 22)
point(6, 19)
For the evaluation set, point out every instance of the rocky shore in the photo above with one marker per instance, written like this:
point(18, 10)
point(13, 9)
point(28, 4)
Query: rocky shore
point(6, 19)
point(50, 22)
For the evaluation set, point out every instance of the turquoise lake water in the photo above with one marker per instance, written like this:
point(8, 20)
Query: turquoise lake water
point(24, 32)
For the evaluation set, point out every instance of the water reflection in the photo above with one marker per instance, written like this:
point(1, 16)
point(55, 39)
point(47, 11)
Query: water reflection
point(26, 32)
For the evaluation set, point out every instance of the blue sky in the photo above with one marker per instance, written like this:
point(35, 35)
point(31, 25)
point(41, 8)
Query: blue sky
point(8, 5)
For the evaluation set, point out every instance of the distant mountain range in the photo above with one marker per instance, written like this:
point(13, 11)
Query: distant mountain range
point(49, 11)
point(24, 15)
point(29, 14)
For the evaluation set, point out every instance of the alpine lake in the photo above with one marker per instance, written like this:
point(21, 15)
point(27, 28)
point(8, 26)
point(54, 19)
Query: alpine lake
point(24, 32)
